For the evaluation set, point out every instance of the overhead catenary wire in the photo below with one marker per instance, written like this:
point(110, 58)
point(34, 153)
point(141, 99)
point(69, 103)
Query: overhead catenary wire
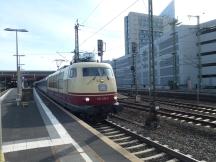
point(109, 22)
point(145, 5)
point(91, 13)
point(64, 57)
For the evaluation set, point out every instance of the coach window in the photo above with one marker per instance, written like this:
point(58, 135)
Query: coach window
point(55, 81)
point(73, 73)
point(60, 80)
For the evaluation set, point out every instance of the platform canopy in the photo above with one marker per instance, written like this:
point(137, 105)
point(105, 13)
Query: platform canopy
point(8, 78)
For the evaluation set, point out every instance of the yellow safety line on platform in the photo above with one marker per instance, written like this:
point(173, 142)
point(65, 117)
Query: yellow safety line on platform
point(2, 159)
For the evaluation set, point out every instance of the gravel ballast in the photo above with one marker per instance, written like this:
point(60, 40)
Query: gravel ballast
point(197, 141)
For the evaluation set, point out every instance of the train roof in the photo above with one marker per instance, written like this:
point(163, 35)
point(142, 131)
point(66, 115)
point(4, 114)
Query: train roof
point(82, 64)
point(90, 64)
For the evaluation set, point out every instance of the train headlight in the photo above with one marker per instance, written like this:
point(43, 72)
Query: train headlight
point(87, 99)
point(115, 97)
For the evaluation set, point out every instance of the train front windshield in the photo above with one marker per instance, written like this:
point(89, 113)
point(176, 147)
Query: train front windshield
point(97, 71)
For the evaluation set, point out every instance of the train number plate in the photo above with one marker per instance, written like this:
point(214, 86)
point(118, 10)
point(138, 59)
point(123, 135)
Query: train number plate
point(102, 87)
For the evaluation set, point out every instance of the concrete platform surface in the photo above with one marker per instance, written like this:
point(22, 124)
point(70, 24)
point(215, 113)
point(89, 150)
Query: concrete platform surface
point(37, 131)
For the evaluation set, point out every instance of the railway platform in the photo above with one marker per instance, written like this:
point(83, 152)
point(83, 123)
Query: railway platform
point(36, 131)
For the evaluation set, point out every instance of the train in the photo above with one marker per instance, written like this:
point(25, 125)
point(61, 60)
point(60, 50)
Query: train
point(86, 88)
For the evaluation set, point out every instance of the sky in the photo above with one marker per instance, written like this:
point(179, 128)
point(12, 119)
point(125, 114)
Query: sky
point(51, 27)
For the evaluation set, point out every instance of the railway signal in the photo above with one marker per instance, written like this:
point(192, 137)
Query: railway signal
point(101, 48)
point(133, 67)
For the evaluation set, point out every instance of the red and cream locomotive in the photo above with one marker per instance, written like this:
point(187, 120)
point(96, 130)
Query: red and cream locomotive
point(87, 88)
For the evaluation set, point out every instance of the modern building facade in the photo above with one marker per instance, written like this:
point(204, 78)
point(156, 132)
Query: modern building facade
point(176, 50)
point(208, 54)
point(185, 51)
point(185, 46)
point(136, 30)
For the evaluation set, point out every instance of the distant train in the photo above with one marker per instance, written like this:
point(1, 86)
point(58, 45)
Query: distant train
point(87, 88)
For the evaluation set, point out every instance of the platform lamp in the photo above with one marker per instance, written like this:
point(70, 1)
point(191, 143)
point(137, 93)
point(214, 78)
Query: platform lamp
point(17, 60)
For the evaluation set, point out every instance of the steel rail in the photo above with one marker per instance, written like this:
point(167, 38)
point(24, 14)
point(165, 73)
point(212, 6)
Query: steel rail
point(163, 148)
point(186, 105)
point(191, 117)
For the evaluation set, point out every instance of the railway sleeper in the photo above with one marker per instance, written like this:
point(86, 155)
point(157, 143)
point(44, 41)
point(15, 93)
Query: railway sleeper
point(105, 127)
point(206, 120)
point(147, 153)
point(191, 117)
point(211, 110)
point(131, 144)
point(138, 146)
point(155, 157)
point(116, 135)
point(111, 133)
point(107, 130)
point(143, 151)
point(128, 142)
point(213, 121)
point(198, 124)
point(122, 139)
point(173, 160)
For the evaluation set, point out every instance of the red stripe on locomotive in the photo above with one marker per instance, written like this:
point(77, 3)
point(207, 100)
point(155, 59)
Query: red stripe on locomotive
point(79, 98)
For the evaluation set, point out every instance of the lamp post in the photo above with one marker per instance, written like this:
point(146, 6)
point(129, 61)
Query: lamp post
point(21, 78)
point(17, 60)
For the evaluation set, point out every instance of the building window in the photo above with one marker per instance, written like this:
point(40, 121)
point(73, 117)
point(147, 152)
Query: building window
point(208, 42)
point(209, 64)
point(209, 76)
point(208, 30)
point(208, 53)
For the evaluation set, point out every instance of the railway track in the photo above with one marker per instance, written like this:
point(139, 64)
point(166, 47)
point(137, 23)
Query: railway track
point(201, 108)
point(189, 117)
point(194, 107)
point(207, 97)
point(144, 148)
